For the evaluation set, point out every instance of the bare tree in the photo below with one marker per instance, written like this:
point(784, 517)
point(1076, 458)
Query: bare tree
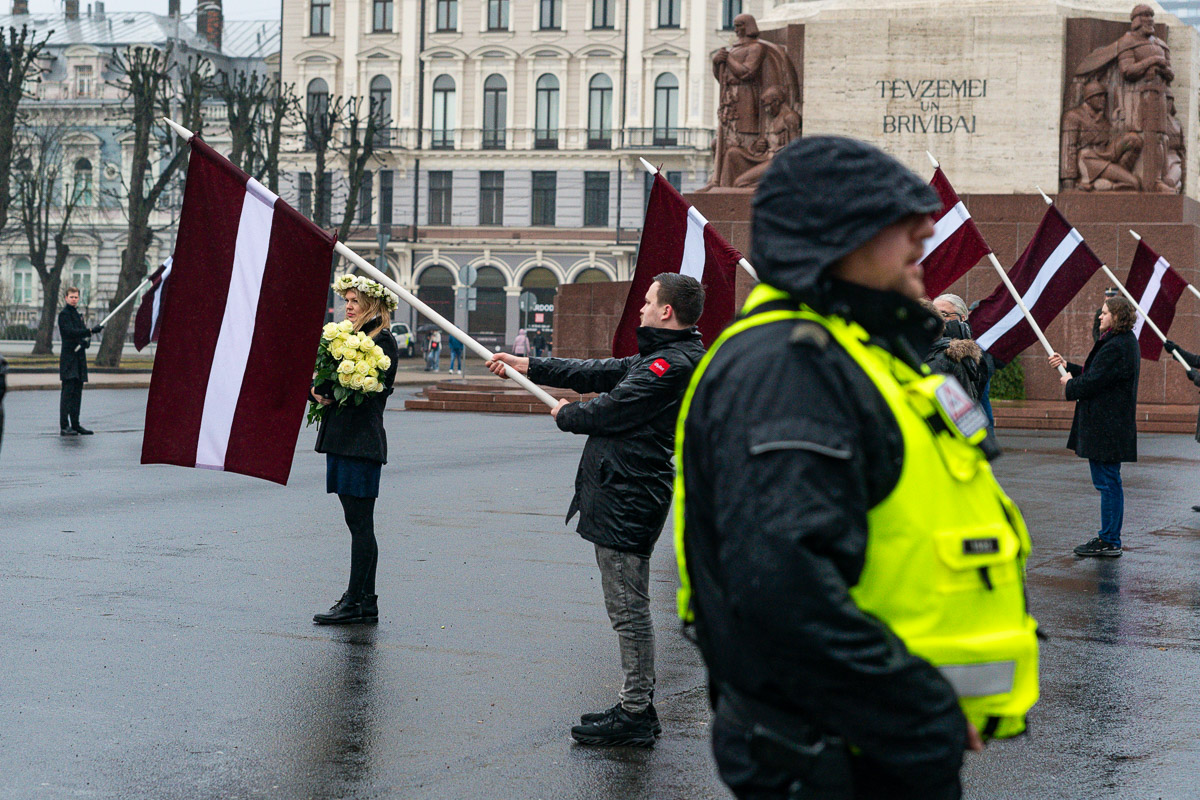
point(45, 204)
point(257, 109)
point(18, 68)
point(322, 119)
point(361, 134)
point(155, 85)
point(282, 107)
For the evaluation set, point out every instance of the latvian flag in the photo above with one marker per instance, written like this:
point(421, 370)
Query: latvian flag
point(677, 238)
point(1157, 288)
point(1051, 271)
point(956, 244)
point(239, 328)
point(145, 324)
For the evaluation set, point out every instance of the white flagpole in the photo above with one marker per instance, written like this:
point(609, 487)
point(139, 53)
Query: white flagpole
point(410, 298)
point(124, 302)
point(743, 263)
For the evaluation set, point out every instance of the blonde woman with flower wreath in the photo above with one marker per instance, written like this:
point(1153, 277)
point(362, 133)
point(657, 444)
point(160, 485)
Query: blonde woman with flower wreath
point(355, 446)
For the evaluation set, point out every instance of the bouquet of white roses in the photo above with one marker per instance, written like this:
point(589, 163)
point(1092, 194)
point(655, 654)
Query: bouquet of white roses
point(349, 362)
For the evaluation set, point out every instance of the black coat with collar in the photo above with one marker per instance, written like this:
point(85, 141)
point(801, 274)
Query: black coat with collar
point(357, 430)
point(75, 336)
point(1105, 393)
point(625, 479)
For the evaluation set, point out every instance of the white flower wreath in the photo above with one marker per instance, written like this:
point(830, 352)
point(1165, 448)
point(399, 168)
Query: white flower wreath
point(363, 284)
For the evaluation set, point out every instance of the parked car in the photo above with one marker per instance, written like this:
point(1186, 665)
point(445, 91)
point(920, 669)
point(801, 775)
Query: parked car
point(404, 339)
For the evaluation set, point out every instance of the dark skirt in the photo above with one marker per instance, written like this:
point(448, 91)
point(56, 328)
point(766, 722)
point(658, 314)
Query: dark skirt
point(356, 477)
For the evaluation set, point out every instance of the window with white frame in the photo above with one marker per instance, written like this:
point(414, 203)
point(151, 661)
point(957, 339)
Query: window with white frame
point(497, 15)
point(600, 92)
point(666, 109)
point(22, 290)
point(83, 80)
point(81, 277)
point(381, 17)
point(545, 134)
point(669, 13)
point(729, 10)
point(604, 14)
point(549, 14)
point(381, 109)
point(446, 15)
point(495, 102)
point(443, 113)
point(81, 185)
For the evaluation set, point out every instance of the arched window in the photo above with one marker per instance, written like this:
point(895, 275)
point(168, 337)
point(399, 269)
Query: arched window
point(82, 185)
point(435, 287)
point(600, 90)
point(666, 110)
point(729, 10)
point(495, 112)
point(443, 113)
point(489, 315)
point(23, 282)
point(592, 275)
point(81, 276)
point(540, 316)
point(381, 109)
point(545, 135)
point(316, 106)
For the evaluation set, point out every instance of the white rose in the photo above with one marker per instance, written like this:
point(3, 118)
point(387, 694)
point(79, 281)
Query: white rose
point(329, 331)
point(345, 368)
point(345, 326)
point(344, 380)
point(356, 381)
point(371, 384)
point(384, 363)
point(362, 368)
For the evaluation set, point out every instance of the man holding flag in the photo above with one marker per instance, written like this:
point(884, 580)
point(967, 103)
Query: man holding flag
point(623, 487)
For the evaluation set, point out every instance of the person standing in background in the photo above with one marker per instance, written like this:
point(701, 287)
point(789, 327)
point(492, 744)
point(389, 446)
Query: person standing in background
point(72, 364)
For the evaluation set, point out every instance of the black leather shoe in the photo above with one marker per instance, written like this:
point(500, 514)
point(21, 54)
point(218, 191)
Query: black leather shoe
point(68, 432)
point(82, 431)
point(596, 716)
point(370, 607)
point(347, 611)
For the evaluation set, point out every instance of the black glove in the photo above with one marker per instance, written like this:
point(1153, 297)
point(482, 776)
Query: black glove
point(1170, 346)
point(1194, 376)
point(97, 329)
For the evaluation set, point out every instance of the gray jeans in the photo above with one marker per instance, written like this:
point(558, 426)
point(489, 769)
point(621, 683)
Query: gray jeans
point(626, 581)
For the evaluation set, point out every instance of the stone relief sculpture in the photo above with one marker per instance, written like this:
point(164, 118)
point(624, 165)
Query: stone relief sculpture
point(1091, 159)
point(1135, 74)
point(757, 113)
point(1176, 152)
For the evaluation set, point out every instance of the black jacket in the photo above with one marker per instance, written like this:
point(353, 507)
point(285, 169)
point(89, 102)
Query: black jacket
point(1193, 362)
point(624, 483)
point(959, 358)
point(787, 446)
point(72, 357)
point(1105, 390)
point(358, 430)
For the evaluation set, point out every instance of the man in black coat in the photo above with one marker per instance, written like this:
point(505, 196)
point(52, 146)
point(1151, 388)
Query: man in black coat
point(1104, 430)
point(3, 390)
point(72, 364)
point(624, 483)
point(1193, 373)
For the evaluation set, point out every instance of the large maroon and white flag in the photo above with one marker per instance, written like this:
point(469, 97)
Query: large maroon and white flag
point(238, 329)
point(1054, 267)
point(1157, 288)
point(145, 324)
point(956, 244)
point(677, 238)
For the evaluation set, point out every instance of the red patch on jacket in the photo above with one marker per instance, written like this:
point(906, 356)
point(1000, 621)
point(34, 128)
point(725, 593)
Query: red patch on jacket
point(659, 366)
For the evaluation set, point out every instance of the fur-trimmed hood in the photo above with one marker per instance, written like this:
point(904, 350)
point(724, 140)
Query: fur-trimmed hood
point(958, 349)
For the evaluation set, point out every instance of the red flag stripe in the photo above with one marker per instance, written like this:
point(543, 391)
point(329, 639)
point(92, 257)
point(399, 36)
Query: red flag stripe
point(956, 245)
point(1157, 288)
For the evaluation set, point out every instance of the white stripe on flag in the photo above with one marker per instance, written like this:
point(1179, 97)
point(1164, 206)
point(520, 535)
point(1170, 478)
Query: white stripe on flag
point(693, 246)
point(946, 227)
point(237, 326)
point(158, 293)
point(1014, 316)
point(1146, 301)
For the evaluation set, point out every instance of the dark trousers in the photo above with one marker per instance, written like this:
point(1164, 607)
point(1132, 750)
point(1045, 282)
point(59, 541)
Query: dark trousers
point(1106, 477)
point(69, 402)
point(364, 550)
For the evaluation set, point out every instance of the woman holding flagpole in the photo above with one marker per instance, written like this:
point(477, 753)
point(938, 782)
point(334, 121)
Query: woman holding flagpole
point(1104, 430)
point(355, 446)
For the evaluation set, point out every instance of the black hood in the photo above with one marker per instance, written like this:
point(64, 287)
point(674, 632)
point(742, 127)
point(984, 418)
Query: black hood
point(822, 198)
point(651, 339)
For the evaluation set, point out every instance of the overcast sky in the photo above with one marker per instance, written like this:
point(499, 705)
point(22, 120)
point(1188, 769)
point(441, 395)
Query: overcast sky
point(240, 9)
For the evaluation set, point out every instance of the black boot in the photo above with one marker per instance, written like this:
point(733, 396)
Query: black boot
point(370, 607)
point(347, 611)
point(620, 728)
point(596, 716)
point(68, 432)
point(82, 431)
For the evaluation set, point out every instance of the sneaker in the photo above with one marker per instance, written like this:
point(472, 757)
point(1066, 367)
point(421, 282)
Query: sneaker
point(1098, 547)
point(596, 716)
point(618, 729)
point(347, 611)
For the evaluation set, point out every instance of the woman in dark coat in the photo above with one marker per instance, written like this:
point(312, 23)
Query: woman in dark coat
point(1104, 430)
point(355, 447)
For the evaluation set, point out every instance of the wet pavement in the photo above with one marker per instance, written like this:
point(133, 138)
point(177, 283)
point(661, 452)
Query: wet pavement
point(159, 642)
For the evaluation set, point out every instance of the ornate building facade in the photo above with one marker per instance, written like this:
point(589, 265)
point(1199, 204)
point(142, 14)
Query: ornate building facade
point(510, 160)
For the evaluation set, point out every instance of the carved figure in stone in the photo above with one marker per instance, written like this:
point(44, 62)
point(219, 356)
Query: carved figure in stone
point(781, 127)
point(1136, 69)
point(1092, 157)
point(745, 70)
point(1176, 150)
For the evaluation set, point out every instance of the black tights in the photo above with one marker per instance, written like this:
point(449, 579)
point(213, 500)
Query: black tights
point(364, 552)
